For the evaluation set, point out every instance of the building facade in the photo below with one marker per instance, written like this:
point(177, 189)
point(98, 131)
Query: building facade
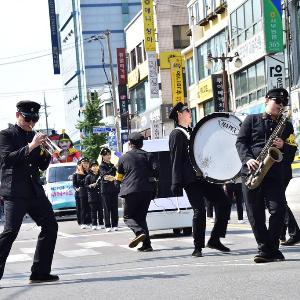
point(85, 63)
point(149, 114)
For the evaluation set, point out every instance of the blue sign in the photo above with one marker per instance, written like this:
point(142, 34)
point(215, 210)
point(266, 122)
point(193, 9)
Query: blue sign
point(54, 37)
point(102, 129)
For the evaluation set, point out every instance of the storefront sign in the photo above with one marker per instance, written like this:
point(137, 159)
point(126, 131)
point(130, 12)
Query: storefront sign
point(164, 58)
point(133, 78)
point(275, 71)
point(218, 92)
point(273, 25)
point(153, 76)
point(149, 31)
point(121, 61)
point(123, 104)
point(177, 80)
point(143, 70)
point(54, 37)
point(250, 51)
point(205, 89)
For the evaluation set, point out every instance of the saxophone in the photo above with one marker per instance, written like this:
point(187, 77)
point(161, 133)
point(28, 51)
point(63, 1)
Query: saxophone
point(268, 155)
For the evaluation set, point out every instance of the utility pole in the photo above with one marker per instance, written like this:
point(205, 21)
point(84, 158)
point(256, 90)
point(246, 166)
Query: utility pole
point(46, 114)
point(113, 85)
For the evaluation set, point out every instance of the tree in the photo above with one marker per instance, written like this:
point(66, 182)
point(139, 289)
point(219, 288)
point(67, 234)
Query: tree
point(91, 142)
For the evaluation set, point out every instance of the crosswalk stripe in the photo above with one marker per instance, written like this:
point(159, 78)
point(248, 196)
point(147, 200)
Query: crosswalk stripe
point(18, 258)
point(96, 244)
point(79, 252)
point(27, 250)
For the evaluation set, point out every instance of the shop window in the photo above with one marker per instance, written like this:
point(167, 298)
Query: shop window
point(194, 116)
point(180, 39)
point(139, 51)
point(209, 107)
point(190, 71)
point(138, 98)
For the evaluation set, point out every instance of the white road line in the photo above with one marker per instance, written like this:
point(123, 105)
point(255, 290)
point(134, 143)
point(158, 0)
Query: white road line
point(18, 258)
point(27, 250)
point(79, 253)
point(63, 234)
point(96, 244)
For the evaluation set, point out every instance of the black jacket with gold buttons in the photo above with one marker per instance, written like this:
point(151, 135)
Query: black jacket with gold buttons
point(20, 170)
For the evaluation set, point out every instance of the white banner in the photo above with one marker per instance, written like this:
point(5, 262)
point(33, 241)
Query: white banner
point(275, 71)
point(152, 75)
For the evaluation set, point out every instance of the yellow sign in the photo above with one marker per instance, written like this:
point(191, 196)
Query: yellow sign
point(177, 80)
point(149, 31)
point(133, 78)
point(164, 58)
point(143, 69)
point(205, 89)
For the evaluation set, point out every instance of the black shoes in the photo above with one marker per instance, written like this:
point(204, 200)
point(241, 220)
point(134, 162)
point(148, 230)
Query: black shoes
point(265, 258)
point(197, 253)
point(291, 241)
point(40, 278)
point(145, 249)
point(217, 245)
point(139, 238)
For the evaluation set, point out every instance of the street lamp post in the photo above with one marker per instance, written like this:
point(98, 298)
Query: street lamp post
point(106, 35)
point(223, 58)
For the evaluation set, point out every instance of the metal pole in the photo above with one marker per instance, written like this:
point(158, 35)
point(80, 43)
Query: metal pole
point(225, 87)
point(46, 114)
point(113, 84)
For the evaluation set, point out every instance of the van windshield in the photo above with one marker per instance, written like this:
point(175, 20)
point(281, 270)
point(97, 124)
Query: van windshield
point(61, 174)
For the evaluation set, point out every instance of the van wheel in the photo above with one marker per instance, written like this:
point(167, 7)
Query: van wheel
point(176, 231)
point(187, 231)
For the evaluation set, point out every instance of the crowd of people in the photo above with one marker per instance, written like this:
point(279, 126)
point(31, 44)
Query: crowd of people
point(98, 186)
point(96, 193)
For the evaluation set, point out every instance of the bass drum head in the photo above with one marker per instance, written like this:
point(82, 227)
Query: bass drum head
point(212, 147)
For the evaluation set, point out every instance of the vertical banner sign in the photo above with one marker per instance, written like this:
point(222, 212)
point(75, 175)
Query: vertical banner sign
point(123, 104)
point(177, 80)
point(273, 26)
point(121, 61)
point(152, 75)
point(218, 92)
point(149, 32)
point(275, 71)
point(54, 37)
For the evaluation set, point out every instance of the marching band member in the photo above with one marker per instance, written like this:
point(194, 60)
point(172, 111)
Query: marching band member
point(196, 188)
point(21, 160)
point(253, 136)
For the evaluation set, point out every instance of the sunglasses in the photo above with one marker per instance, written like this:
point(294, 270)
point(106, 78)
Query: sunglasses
point(30, 117)
point(186, 109)
point(279, 101)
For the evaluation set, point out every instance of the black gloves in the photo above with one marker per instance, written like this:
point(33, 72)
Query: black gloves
point(177, 189)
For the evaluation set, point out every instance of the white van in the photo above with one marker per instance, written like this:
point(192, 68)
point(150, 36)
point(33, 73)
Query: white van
point(167, 211)
point(59, 186)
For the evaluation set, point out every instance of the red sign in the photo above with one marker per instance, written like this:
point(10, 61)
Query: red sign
point(121, 60)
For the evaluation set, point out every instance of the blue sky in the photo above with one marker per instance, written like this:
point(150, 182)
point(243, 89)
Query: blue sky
point(24, 29)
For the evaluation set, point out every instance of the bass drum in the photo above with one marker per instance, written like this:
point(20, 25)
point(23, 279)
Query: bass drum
point(212, 147)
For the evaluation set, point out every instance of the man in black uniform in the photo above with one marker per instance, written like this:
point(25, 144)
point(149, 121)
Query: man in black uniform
point(196, 188)
point(21, 159)
point(136, 171)
point(254, 133)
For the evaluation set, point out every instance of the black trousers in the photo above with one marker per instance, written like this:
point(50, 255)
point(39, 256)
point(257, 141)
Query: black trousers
point(40, 210)
point(215, 194)
point(270, 194)
point(78, 210)
point(85, 212)
point(234, 193)
point(135, 212)
point(96, 213)
point(110, 205)
point(290, 222)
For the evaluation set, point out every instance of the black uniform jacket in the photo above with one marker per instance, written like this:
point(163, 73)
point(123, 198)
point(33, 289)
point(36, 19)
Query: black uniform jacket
point(182, 169)
point(93, 192)
point(254, 133)
point(136, 168)
point(80, 179)
point(20, 170)
point(108, 187)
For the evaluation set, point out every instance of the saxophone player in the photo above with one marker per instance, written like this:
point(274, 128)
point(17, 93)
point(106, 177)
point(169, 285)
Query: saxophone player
point(254, 134)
